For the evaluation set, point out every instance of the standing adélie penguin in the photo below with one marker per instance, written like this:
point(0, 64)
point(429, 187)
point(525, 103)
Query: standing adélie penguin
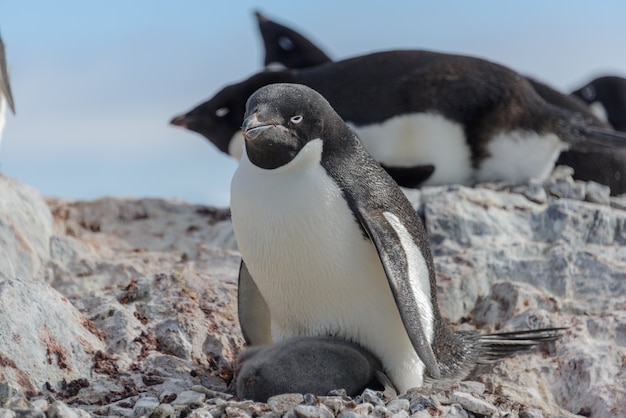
point(331, 246)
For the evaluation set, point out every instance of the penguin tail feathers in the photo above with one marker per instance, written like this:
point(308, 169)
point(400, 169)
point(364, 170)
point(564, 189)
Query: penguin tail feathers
point(593, 138)
point(499, 345)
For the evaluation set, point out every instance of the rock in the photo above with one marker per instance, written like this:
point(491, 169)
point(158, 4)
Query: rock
point(475, 405)
point(150, 285)
point(283, 403)
point(58, 409)
point(456, 411)
point(25, 229)
point(310, 411)
point(45, 340)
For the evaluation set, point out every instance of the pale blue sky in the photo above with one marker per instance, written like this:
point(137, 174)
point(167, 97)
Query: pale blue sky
point(96, 82)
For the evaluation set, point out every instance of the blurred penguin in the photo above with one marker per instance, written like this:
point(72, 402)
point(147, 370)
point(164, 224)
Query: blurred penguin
point(607, 98)
point(6, 98)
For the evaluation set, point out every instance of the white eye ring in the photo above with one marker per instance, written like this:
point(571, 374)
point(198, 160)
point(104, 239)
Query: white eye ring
point(285, 43)
point(222, 111)
point(296, 119)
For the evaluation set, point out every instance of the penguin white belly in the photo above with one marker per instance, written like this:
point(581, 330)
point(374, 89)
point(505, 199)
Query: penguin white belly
point(311, 262)
point(420, 139)
point(518, 156)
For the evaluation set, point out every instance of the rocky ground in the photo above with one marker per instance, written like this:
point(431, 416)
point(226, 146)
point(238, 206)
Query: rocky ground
point(121, 307)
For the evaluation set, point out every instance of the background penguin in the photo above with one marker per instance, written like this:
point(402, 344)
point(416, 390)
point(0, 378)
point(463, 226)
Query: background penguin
point(314, 365)
point(6, 97)
point(285, 47)
point(606, 97)
point(332, 247)
point(428, 118)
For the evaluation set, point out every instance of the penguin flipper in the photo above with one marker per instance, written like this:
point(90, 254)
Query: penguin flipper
point(253, 312)
point(5, 86)
point(388, 243)
point(410, 177)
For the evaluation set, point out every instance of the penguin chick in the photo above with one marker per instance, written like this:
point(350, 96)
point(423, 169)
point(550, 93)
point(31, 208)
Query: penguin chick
point(331, 246)
point(314, 365)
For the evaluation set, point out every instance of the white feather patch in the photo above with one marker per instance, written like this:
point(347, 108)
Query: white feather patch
point(520, 155)
point(235, 146)
point(420, 139)
point(419, 277)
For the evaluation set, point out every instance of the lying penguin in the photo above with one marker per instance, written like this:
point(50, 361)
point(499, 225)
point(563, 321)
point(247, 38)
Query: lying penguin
point(428, 118)
point(331, 246)
point(606, 96)
point(6, 97)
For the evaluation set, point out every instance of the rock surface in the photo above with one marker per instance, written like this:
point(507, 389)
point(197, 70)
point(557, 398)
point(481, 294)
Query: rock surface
point(128, 307)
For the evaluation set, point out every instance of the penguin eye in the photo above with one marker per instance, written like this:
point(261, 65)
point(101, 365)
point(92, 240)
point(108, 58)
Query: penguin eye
point(221, 112)
point(285, 43)
point(296, 119)
point(589, 93)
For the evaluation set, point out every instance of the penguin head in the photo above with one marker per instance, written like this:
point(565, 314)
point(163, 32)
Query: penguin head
point(280, 120)
point(286, 47)
point(219, 118)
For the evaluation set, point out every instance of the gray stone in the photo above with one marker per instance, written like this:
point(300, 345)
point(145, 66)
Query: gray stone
point(472, 386)
point(164, 410)
point(6, 413)
point(8, 390)
point(473, 404)
point(398, 405)
point(58, 409)
point(598, 193)
point(283, 403)
point(310, 411)
point(145, 406)
point(25, 230)
point(531, 413)
point(364, 408)
point(189, 398)
point(456, 411)
point(44, 338)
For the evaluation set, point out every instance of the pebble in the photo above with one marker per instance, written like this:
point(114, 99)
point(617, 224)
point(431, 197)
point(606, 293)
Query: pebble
point(471, 386)
point(598, 193)
point(189, 398)
point(456, 411)
point(283, 403)
point(145, 406)
point(6, 413)
point(531, 413)
point(364, 408)
point(311, 411)
point(164, 410)
point(398, 405)
point(473, 404)
point(58, 409)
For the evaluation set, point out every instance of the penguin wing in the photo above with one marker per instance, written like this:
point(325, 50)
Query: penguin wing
point(408, 277)
point(254, 315)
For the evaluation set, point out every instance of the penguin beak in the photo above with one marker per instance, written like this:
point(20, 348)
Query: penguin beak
point(180, 120)
point(252, 128)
